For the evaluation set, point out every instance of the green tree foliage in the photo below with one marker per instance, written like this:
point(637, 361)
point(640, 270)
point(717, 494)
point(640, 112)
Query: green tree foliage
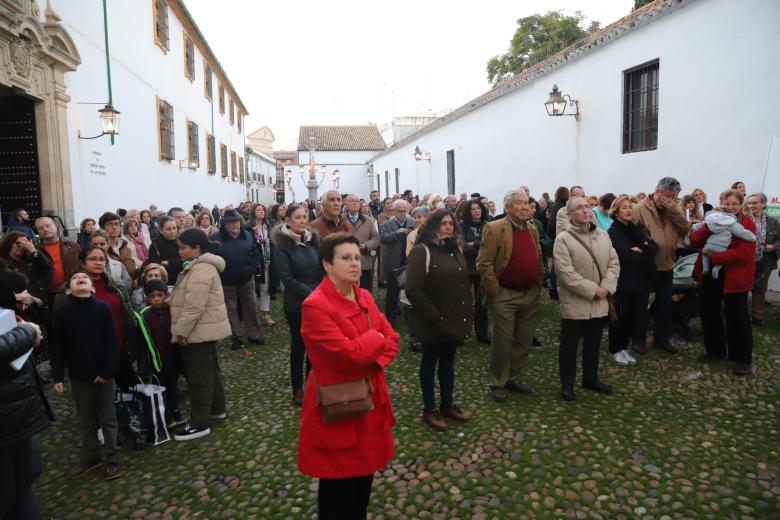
point(538, 37)
point(640, 3)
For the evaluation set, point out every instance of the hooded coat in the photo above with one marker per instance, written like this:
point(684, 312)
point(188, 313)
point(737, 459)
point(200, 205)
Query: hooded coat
point(198, 310)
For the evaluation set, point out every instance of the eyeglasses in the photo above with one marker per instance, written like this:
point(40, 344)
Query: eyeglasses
point(115, 223)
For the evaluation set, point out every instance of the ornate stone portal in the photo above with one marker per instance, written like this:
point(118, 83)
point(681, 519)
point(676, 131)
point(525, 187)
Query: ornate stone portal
point(34, 57)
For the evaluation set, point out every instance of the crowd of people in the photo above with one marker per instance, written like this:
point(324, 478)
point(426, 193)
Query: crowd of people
point(150, 292)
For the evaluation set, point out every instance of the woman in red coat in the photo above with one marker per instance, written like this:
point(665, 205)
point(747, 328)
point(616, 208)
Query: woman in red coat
point(347, 338)
point(726, 295)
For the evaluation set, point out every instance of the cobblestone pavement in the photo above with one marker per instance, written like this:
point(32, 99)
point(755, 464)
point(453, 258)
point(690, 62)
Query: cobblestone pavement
point(677, 440)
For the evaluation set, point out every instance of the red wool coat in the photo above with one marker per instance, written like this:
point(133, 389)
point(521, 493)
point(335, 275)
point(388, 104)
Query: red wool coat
point(739, 259)
point(342, 347)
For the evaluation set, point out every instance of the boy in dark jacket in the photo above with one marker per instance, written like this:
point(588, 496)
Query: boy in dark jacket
point(84, 341)
point(161, 356)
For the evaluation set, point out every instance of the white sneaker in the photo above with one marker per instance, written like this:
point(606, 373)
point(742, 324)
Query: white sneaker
point(189, 433)
point(620, 358)
point(628, 357)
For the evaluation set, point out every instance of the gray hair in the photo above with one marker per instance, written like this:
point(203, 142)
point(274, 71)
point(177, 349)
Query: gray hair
point(399, 202)
point(327, 193)
point(421, 210)
point(570, 203)
point(761, 196)
point(511, 195)
point(668, 184)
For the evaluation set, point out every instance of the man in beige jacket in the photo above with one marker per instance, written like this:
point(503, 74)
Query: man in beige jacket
point(588, 269)
point(665, 223)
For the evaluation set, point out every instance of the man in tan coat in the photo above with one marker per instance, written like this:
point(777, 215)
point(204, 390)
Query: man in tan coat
point(364, 228)
point(510, 265)
point(588, 269)
point(665, 223)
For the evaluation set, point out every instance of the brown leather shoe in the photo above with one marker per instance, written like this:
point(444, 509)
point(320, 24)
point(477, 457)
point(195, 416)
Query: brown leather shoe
point(434, 420)
point(456, 412)
point(297, 397)
point(84, 467)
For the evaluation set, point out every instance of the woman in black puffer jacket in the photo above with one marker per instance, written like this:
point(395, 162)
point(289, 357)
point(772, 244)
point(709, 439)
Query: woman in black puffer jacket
point(24, 415)
point(636, 252)
point(474, 218)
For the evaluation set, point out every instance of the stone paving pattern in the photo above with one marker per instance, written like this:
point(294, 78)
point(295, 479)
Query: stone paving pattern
point(677, 440)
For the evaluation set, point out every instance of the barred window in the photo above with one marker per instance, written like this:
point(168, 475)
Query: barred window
point(189, 58)
point(233, 172)
point(223, 158)
point(241, 169)
point(238, 121)
point(165, 130)
point(211, 154)
point(221, 90)
point(232, 112)
point(640, 108)
point(192, 145)
point(208, 80)
point(161, 24)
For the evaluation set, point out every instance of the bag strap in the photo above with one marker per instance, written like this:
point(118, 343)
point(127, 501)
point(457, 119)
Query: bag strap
point(427, 259)
point(590, 252)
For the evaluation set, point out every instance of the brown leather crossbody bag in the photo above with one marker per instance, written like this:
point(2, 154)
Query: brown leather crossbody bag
point(344, 400)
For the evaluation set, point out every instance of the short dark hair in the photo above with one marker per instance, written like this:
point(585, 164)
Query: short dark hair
point(121, 212)
point(87, 250)
point(374, 191)
point(736, 185)
point(562, 194)
point(155, 285)
point(292, 208)
point(605, 201)
point(329, 244)
point(165, 220)
point(196, 237)
point(19, 211)
point(107, 217)
point(175, 208)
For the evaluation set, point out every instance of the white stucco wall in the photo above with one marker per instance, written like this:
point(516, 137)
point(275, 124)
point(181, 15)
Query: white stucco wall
point(262, 188)
point(132, 175)
point(352, 166)
point(715, 56)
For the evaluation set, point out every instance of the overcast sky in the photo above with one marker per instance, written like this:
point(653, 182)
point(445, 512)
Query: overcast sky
point(300, 62)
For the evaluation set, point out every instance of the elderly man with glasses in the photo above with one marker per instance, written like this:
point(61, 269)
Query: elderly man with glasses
point(393, 236)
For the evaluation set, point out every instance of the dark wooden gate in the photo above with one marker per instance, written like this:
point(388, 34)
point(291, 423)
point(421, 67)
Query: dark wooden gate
point(20, 184)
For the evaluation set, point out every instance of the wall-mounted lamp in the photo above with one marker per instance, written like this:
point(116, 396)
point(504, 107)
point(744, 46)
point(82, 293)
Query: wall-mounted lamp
point(336, 177)
point(109, 120)
point(556, 104)
point(421, 155)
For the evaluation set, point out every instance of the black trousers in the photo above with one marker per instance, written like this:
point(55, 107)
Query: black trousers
point(173, 367)
point(297, 350)
point(391, 298)
point(571, 332)
point(366, 279)
point(480, 312)
point(20, 466)
point(661, 311)
point(735, 337)
point(629, 306)
point(344, 498)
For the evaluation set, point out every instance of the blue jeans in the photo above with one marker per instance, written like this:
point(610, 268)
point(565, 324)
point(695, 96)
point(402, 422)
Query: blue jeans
point(660, 284)
point(442, 354)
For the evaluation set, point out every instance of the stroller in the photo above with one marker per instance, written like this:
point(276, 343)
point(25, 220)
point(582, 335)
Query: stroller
point(685, 293)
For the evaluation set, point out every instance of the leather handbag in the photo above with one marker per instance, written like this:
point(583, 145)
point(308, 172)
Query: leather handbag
point(343, 401)
point(613, 311)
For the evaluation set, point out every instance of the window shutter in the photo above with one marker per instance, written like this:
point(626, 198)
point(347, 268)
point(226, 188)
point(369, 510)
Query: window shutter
point(207, 80)
point(171, 151)
point(189, 57)
point(161, 23)
point(223, 159)
point(192, 139)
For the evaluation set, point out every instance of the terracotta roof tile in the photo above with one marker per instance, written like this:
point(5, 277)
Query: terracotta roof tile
point(342, 138)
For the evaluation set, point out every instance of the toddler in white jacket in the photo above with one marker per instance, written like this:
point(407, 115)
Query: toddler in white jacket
point(723, 226)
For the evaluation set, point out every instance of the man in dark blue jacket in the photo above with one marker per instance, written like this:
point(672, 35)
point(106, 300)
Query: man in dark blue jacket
point(242, 261)
point(20, 221)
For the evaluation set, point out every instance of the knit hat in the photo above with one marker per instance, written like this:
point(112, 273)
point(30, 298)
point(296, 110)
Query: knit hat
point(231, 215)
point(155, 285)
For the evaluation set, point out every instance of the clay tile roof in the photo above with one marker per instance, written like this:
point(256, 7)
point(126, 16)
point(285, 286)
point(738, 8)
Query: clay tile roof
point(342, 138)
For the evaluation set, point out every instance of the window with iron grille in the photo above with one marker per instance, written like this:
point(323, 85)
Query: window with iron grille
point(241, 168)
point(165, 130)
point(208, 80)
point(223, 158)
point(189, 58)
point(232, 112)
point(211, 154)
point(238, 121)
point(192, 145)
point(161, 24)
point(640, 108)
point(233, 172)
point(221, 90)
